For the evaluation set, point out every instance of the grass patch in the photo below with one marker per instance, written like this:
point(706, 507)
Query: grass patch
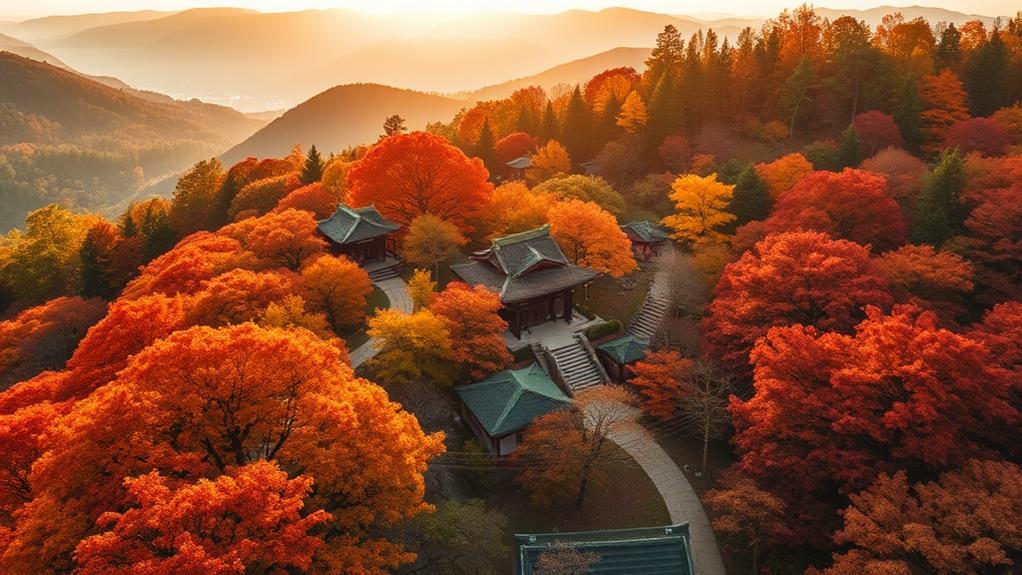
point(356, 335)
point(626, 499)
point(619, 299)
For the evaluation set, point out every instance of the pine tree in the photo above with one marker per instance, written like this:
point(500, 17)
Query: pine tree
point(665, 111)
point(907, 107)
point(848, 152)
point(986, 75)
point(393, 126)
point(159, 234)
point(312, 172)
point(949, 50)
point(692, 89)
point(550, 129)
point(484, 148)
point(94, 276)
point(666, 57)
point(797, 94)
point(751, 199)
point(575, 131)
point(939, 211)
point(128, 227)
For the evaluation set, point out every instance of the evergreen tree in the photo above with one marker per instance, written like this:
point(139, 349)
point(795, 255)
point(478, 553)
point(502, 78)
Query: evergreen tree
point(312, 172)
point(223, 199)
point(907, 107)
point(665, 111)
point(128, 227)
point(158, 233)
point(848, 152)
point(949, 49)
point(692, 89)
point(798, 91)
point(986, 75)
point(94, 276)
point(484, 149)
point(575, 131)
point(666, 57)
point(939, 211)
point(751, 198)
point(394, 125)
point(551, 130)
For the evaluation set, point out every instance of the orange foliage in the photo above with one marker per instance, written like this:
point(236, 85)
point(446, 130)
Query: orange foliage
point(930, 279)
point(261, 196)
point(853, 205)
point(613, 84)
point(314, 198)
point(285, 239)
point(590, 237)
point(336, 287)
point(44, 337)
point(514, 145)
point(967, 522)
point(194, 260)
point(945, 104)
point(21, 434)
point(995, 243)
point(250, 518)
point(202, 401)
point(660, 379)
point(783, 173)
point(238, 296)
point(831, 410)
point(791, 278)
point(412, 174)
point(1001, 332)
point(517, 209)
point(475, 329)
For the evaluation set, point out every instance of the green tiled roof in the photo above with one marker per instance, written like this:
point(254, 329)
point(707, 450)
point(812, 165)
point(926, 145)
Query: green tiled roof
point(348, 225)
point(624, 349)
point(643, 551)
point(646, 231)
point(507, 401)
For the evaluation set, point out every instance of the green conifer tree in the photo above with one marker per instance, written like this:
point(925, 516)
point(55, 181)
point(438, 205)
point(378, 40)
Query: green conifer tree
point(939, 211)
point(751, 199)
point(312, 172)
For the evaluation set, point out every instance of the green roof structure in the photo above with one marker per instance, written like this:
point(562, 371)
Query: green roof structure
point(507, 401)
point(350, 225)
point(624, 350)
point(643, 551)
point(645, 231)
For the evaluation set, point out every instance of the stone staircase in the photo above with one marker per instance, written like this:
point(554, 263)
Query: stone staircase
point(578, 366)
point(385, 273)
point(647, 321)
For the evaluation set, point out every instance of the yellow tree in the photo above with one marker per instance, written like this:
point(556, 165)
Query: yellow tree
point(338, 288)
point(633, 116)
point(413, 347)
point(517, 209)
point(590, 237)
point(547, 162)
point(702, 204)
point(432, 241)
point(422, 289)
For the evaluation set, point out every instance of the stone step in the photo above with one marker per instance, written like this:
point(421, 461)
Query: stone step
point(385, 273)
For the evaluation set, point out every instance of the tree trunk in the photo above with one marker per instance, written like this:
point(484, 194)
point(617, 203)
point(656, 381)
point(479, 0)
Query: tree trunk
point(755, 558)
point(706, 444)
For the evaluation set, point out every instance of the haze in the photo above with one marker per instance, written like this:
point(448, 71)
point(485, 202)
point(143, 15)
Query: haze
point(692, 7)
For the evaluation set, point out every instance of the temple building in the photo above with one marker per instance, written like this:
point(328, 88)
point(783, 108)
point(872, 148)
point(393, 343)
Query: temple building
point(643, 551)
point(362, 234)
point(499, 407)
point(618, 355)
point(646, 238)
point(536, 282)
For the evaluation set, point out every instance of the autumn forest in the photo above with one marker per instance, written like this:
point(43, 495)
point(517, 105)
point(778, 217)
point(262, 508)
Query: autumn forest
point(760, 290)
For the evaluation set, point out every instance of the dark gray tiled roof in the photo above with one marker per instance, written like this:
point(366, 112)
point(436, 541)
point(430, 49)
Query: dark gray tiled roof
point(349, 225)
point(520, 163)
point(643, 551)
point(523, 266)
point(646, 231)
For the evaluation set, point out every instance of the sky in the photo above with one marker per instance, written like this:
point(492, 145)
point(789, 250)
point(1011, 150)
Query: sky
point(19, 9)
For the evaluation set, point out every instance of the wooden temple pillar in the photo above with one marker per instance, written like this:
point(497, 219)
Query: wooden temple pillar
point(568, 304)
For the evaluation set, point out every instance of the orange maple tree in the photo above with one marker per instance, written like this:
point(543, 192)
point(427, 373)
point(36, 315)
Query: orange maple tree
point(590, 236)
point(852, 205)
point(407, 175)
point(803, 278)
point(475, 329)
point(945, 104)
point(252, 517)
point(965, 522)
point(783, 173)
point(336, 287)
point(204, 401)
point(193, 260)
point(238, 296)
point(921, 275)
point(287, 238)
point(660, 378)
point(315, 198)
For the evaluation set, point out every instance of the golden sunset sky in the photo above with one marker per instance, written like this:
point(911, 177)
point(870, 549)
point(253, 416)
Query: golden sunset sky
point(35, 8)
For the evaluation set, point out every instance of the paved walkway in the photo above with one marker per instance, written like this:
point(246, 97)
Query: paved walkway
point(397, 293)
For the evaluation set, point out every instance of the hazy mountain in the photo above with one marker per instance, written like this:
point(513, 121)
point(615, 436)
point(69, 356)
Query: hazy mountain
point(26, 50)
point(69, 139)
point(52, 27)
point(570, 73)
point(344, 116)
point(873, 16)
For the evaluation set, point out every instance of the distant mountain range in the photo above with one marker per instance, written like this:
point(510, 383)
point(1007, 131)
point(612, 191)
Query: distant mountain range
point(256, 61)
point(69, 139)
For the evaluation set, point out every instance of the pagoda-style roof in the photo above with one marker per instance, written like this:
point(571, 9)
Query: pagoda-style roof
point(646, 232)
point(624, 350)
point(520, 163)
point(508, 400)
point(523, 266)
point(351, 225)
point(643, 551)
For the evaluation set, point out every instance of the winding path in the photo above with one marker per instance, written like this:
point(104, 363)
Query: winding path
point(397, 294)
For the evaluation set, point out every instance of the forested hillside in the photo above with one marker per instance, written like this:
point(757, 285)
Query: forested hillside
point(70, 140)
